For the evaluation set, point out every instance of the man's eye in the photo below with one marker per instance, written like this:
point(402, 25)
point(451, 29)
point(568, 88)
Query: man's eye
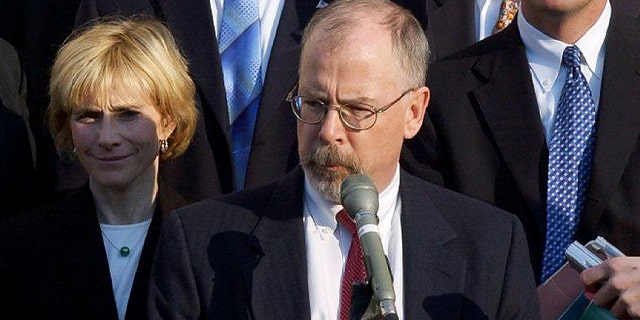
point(358, 111)
point(313, 104)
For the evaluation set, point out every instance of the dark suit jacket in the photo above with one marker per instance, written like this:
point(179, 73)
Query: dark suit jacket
point(53, 264)
point(628, 7)
point(244, 257)
point(490, 142)
point(17, 171)
point(205, 170)
point(450, 25)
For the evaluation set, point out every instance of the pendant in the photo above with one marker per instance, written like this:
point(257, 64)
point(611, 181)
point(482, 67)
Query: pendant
point(124, 251)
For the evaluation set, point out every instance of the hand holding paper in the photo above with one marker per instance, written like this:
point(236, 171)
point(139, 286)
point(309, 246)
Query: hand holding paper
point(615, 285)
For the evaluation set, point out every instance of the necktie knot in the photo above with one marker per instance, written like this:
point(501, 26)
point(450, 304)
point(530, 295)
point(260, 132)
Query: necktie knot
point(347, 222)
point(508, 10)
point(571, 56)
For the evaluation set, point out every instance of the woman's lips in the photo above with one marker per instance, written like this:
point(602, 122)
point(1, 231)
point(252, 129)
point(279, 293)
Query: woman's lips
point(111, 158)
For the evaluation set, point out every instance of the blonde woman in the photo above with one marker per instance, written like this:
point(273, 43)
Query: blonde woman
point(121, 104)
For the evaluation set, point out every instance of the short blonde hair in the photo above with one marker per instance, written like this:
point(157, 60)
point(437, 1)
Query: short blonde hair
point(135, 52)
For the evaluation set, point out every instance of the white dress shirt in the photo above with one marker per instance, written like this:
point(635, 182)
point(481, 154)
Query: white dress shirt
point(328, 245)
point(270, 11)
point(547, 72)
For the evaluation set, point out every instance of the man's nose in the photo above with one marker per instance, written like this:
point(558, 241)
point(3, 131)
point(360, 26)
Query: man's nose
point(332, 128)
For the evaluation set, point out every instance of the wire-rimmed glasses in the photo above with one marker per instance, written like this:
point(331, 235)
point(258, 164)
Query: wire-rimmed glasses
point(357, 116)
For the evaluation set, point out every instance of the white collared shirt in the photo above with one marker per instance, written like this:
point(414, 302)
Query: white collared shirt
point(547, 72)
point(270, 11)
point(328, 245)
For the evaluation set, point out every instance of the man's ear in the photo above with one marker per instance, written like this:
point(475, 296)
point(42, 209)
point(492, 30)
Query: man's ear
point(415, 113)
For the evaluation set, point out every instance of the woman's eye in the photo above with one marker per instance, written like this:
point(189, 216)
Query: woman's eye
point(128, 114)
point(88, 117)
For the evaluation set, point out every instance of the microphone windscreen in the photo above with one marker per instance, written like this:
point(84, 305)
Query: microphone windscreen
point(357, 193)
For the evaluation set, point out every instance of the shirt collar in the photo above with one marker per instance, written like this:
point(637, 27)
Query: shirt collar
point(323, 212)
point(545, 53)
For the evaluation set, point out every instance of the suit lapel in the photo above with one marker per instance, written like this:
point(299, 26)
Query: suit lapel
point(425, 260)
point(617, 128)
point(450, 26)
point(167, 200)
point(82, 256)
point(192, 23)
point(508, 103)
point(281, 276)
point(282, 70)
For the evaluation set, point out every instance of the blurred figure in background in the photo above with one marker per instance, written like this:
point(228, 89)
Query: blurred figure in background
point(122, 102)
point(17, 147)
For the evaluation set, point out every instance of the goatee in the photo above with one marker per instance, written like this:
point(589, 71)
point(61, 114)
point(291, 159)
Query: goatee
point(327, 181)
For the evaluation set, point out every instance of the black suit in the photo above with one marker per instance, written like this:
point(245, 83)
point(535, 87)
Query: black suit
point(53, 263)
point(243, 256)
point(450, 24)
point(205, 170)
point(490, 142)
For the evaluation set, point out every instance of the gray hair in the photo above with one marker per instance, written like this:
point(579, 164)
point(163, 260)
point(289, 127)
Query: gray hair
point(409, 41)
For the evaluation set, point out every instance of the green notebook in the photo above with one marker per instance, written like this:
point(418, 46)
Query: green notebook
point(583, 309)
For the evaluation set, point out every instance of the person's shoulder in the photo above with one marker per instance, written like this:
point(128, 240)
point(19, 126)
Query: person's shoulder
point(244, 208)
point(505, 41)
point(461, 210)
point(248, 200)
point(34, 224)
point(7, 49)
point(626, 25)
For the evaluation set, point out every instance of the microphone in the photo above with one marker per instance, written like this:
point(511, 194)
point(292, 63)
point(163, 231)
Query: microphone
point(360, 200)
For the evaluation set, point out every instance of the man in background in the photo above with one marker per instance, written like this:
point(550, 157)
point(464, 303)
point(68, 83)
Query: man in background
point(541, 120)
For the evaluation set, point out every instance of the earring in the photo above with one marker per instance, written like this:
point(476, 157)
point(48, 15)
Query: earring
point(75, 150)
point(164, 145)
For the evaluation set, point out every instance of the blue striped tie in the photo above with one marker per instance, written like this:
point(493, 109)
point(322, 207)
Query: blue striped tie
point(239, 44)
point(570, 162)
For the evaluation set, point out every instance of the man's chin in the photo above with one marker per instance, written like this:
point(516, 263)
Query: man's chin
point(327, 183)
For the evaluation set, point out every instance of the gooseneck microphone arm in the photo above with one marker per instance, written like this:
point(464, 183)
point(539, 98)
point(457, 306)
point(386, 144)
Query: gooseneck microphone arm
point(360, 200)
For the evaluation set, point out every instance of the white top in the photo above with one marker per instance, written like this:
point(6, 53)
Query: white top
point(545, 64)
point(123, 269)
point(328, 246)
point(270, 11)
point(486, 14)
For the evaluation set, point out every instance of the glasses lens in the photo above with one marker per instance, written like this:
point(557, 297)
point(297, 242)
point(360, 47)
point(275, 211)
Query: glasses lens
point(308, 109)
point(358, 116)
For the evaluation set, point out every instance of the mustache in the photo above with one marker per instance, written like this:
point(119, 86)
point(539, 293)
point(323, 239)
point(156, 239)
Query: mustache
point(331, 155)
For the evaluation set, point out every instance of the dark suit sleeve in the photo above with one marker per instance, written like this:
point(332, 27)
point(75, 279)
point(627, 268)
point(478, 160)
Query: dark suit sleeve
point(519, 299)
point(172, 290)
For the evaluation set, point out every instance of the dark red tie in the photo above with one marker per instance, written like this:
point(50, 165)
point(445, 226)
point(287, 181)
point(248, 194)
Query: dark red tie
point(354, 270)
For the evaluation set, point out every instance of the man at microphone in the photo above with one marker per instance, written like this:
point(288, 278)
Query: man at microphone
point(287, 251)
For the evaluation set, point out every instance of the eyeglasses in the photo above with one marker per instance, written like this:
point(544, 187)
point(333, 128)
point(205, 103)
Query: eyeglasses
point(357, 116)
